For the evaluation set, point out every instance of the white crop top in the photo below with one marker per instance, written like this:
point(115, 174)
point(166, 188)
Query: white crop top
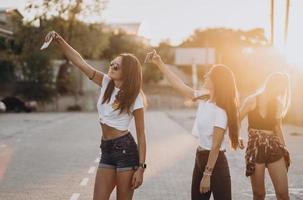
point(111, 117)
point(208, 116)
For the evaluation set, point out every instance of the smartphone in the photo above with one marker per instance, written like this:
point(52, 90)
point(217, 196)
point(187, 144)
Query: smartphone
point(46, 44)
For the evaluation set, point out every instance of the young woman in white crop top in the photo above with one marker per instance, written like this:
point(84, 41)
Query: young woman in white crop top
point(217, 112)
point(122, 162)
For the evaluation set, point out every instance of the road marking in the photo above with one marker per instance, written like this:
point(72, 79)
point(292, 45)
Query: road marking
point(91, 170)
point(75, 196)
point(84, 182)
point(296, 191)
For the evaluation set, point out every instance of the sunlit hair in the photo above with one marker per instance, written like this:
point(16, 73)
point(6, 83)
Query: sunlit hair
point(279, 84)
point(226, 97)
point(131, 86)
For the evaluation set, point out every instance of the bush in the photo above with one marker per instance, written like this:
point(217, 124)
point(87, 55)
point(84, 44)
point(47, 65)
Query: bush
point(7, 70)
point(38, 83)
point(75, 107)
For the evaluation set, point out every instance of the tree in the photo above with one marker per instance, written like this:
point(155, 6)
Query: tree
point(38, 80)
point(67, 18)
point(151, 73)
point(7, 71)
point(124, 43)
point(231, 46)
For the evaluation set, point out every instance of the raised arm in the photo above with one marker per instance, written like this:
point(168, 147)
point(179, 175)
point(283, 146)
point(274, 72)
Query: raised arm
point(248, 105)
point(72, 55)
point(278, 127)
point(175, 81)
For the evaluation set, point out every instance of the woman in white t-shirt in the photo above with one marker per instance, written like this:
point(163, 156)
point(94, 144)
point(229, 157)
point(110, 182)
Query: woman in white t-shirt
point(122, 162)
point(217, 112)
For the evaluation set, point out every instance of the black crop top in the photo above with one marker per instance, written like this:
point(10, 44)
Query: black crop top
point(256, 121)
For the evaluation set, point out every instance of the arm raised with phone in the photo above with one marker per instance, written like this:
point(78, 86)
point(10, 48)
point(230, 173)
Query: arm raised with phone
point(175, 81)
point(72, 55)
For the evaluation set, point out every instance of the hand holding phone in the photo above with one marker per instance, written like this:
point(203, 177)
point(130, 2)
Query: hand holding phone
point(49, 38)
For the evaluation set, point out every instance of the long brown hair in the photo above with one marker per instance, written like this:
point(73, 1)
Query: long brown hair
point(226, 97)
point(131, 86)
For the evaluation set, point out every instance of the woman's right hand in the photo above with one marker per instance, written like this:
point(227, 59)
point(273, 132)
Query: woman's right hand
point(154, 57)
point(241, 143)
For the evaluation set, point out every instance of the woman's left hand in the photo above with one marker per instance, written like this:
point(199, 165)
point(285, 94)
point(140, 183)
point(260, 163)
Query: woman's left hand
point(137, 178)
point(205, 184)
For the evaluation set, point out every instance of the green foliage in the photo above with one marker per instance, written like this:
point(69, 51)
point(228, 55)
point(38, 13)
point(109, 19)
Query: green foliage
point(123, 43)
point(7, 70)
point(66, 81)
point(38, 79)
point(151, 72)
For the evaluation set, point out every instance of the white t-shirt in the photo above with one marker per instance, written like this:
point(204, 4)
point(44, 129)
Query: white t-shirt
point(208, 116)
point(111, 117)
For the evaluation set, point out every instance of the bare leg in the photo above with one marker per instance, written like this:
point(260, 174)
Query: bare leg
point(278, 174)
point(105, 183)
point(124, 181)
point(257, 182)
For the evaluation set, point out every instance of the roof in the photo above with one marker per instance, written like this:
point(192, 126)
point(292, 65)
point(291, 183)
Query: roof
point(6, 32)
point(9, 10)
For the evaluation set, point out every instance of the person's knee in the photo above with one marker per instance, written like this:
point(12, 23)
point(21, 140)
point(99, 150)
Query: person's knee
point(127, 195)
point(259, 194)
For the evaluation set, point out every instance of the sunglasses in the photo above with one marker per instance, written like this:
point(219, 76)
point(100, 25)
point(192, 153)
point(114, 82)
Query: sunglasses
point(114, 66)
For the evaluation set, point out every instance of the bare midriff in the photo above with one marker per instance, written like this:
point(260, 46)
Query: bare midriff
point(109, 133)
point(267, 132)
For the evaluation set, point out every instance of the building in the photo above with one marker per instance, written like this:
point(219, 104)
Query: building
point(8, 19)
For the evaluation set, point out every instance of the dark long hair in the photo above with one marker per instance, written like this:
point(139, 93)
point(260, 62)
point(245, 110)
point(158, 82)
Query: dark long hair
point(131, 86)
point(226, 97)
point(278, 80)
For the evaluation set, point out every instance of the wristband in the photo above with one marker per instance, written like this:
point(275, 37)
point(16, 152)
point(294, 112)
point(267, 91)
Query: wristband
point(206, 174)
point(91, 77)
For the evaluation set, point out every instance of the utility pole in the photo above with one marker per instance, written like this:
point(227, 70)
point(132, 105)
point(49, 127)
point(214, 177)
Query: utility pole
point(286, 22)
point(272, 22)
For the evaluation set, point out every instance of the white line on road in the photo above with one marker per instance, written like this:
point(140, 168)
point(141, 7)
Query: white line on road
point(75, 196)
point(91, 170)
point(84, 182)
point(296, 191)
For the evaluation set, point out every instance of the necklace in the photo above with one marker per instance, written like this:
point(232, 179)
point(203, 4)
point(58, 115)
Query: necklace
point(115, 105)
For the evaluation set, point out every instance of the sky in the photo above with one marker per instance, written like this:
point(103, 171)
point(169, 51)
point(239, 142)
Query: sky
point(177, 19)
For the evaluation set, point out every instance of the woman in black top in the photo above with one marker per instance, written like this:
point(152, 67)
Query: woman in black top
point(266, 146)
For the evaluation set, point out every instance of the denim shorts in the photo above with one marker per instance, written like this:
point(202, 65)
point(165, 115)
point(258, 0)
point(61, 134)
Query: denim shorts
point(120, 153)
